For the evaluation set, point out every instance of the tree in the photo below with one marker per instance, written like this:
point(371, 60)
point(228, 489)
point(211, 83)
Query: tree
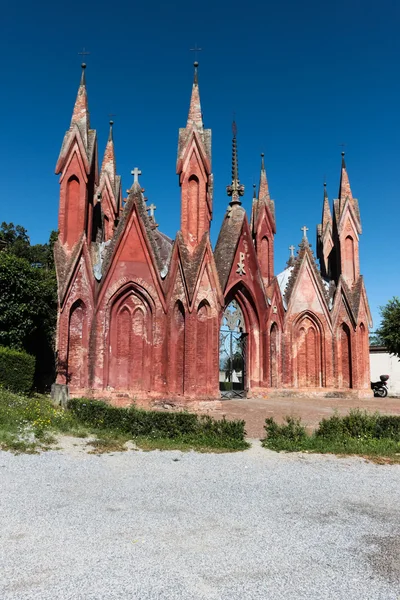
point(16, 241)
point(389, 331)
point(28, 299)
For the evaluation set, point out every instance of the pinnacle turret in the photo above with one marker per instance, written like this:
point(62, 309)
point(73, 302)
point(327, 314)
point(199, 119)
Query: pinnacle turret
point(108, 164)
point(326, 211)
point(236, 189)
point(344, 187)
point(263, 192)
point(80, 114)
point(195, 116)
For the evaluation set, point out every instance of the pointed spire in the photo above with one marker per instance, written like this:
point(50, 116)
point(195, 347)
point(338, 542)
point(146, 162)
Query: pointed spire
point(326, 211)
point(263, 192)
point(108, 164)
point(110, 134)
point(195, 116)
point(344, 188)
point(80, 115)
point(236, 189)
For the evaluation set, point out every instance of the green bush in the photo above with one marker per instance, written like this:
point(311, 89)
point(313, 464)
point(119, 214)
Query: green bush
point(152, 423)
point(292, 431)
point(17, 369)
point(360, 424)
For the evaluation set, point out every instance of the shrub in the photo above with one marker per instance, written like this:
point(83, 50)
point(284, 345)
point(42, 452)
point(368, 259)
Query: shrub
point(17, 369)
point(156, 424)
point(360, 424)
point(292, 431)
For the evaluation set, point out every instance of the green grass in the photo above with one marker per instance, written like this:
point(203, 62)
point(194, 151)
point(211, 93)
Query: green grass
point(32, 423)
point(370, 435)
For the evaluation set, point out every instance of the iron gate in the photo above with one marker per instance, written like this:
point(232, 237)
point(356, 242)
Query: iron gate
point(232, 353)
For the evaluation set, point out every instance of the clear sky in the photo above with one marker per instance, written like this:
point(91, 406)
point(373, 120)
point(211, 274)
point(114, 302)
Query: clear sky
point(302, 78)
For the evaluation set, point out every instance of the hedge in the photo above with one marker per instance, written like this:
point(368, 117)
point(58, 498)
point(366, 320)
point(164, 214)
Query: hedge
point(17, 369)
point(152, 423)
point(360, 424)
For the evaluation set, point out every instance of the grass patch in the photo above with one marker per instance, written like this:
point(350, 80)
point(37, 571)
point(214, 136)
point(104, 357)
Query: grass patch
point(30, 424)
point(370, 435)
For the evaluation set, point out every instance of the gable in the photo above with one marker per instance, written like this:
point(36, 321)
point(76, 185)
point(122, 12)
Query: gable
point(131, 258)
point(306, 294)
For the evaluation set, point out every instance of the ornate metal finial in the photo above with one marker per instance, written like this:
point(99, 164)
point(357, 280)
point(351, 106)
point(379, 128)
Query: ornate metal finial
point(235, 190)
point(262, 162)
point(254, 190)
point(196, 50)
point(304, 229)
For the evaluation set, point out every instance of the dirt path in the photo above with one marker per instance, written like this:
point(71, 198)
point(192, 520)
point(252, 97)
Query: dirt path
point(311, 410)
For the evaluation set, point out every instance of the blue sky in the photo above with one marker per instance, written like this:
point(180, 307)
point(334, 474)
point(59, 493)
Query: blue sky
point(302, 78)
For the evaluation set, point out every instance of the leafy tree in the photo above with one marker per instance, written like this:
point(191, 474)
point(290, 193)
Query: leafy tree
point(389, 331)
point(28, 299)
point(16, 241)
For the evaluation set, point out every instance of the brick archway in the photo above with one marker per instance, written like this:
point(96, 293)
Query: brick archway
point(129, 342)
point(309, 369)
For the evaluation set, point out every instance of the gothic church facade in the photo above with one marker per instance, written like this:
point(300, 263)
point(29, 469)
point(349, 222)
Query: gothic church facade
point(142, 316)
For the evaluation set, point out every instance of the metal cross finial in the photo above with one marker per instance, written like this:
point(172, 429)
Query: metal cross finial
point(83, 53)
point(196, 50)
point(136, 172)
point(151, 208)
point(304, 230)
point(292, 249)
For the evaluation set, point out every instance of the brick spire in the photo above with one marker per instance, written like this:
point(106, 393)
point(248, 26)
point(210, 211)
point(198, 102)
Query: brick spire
point(236, 189)
point(263, 192)
point(80, 115)
point(108, 164)
point(344, 187)
point(195, 116)
point(326, 211)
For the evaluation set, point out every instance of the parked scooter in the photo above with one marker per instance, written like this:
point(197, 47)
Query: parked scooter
point(380, 388)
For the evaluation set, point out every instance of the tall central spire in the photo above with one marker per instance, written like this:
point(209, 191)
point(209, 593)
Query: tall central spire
point(235, 190)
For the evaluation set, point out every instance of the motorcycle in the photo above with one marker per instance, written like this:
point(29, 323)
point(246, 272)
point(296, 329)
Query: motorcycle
point(380, 387)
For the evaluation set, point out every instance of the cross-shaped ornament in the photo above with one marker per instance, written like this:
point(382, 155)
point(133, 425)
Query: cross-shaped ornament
point(292, 249)
point(151, 209)
point(136, 172)
point(196, 50)
point(83, 53)
point(304, 230)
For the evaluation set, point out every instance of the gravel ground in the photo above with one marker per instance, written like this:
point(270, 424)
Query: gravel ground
point(149, 525)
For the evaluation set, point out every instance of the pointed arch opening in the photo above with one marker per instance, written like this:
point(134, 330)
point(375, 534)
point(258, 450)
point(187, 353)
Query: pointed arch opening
point(130, 342)
point(308, 359)
point(250, 331)
point(364, 359)
point(346, 373)
point(193, 192)
point(264, 257)
point(274, 353)
point(350, 260)
point(203, 345)
point(73, 224)
point(177, 341)
point(77, 341)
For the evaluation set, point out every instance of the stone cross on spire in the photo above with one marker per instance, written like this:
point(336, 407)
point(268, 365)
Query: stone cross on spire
point(304, 229)
point(151, 209)
point(136, 172)
point(292, 249)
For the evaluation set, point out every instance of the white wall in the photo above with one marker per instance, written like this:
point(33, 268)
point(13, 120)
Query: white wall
point(383, 363)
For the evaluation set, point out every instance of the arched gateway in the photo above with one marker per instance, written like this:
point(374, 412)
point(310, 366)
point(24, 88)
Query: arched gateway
point(232, 353)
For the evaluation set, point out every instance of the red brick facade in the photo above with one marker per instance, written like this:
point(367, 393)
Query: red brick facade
point(140, 314)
